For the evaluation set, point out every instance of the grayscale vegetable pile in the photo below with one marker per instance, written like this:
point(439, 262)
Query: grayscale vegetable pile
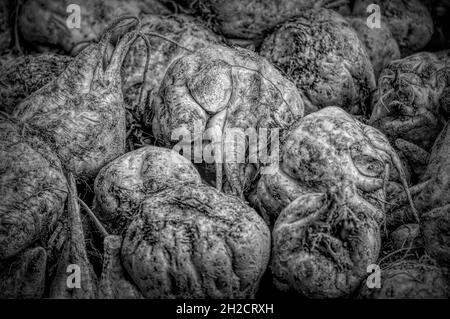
point(138, 154)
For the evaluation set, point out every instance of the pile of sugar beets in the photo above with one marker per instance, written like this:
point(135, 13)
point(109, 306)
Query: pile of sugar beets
point(105, 194)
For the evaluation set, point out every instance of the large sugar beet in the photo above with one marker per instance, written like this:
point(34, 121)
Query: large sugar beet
point(324, 150)
point(123, 184)
point(170, 37)
point(321, 51)
point(379, 43)
point(45, 24)
point(81, 113)
point(218, 91)
point(196, 242)
point(32, 189)
point(409, 21)
point(323, 243)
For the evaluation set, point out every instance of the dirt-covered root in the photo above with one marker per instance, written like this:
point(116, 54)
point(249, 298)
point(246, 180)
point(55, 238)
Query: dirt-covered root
point(32, 189)
point(42, 24)
point(379, 43)
point(252, 20)
point(323, 55)
point(122, 185)
point(436, 234)
point(23, 276)
point(408, 280)
point(325, 149)
point(323, 243)
point(23, 75)
point(196, 242)
point(215, 98)
point(73, 260)
point(407, 103)
point(114, 281)
point(409, 20)
point(81, 113)
point(406, 236)
point(169, 37)
point(414, 157)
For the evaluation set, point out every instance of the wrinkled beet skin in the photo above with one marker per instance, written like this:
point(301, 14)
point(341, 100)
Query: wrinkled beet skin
point(324, 150)
point(408, 280)
point(114, 282)
point(23, 277)
point(184, 30)
point(409, 21)
point(323, 244)
point(223, 88)
point(122, 185)
point(195, 242)
point(250, 19)
point(23, 75)
point(323, 55)
point(32, 188)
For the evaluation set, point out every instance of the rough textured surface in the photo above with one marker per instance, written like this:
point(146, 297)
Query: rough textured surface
point(73, 254)
point(408, 104)
point(436, 234)
point(42, 23)
point(82, 113)
point(114, 282)
point(186, 31)
point(249, 19)
point(23, 277)
point(220, 89)
point(326, 149)
point(327, 61)
point(5, 30)
point(409, 21)
point(195, 242)
point(32, 189)
point(408, 280)
point(379, 43)
point(123, 184)
point(323, 243)
point(23, 75)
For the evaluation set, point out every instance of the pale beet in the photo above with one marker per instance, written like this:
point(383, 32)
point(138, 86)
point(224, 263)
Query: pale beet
point(252, 20)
